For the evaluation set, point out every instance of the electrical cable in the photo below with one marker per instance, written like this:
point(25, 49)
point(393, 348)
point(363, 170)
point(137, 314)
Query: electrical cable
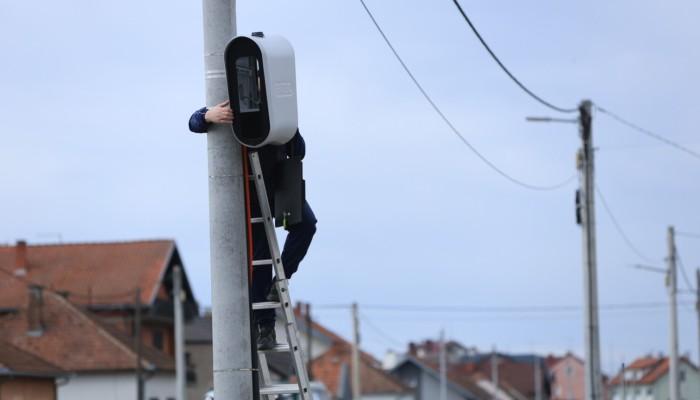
point(688, 234)
point(456, 132)
point(528, 91)
point(495, 309)
point(648, 133)
point(619, 229)
point(379, 332)
point(685, 275)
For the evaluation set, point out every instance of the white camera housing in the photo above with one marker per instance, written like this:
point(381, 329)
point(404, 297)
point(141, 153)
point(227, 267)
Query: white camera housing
point(261, 79)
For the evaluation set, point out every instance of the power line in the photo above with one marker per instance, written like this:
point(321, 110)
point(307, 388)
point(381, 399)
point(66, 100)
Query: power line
point(456, 132)
point(619, 229)
point(379, 332)
point(685, 275)
point(528, 91)
point(648, 133)
point(687, 234)
point(496, 309)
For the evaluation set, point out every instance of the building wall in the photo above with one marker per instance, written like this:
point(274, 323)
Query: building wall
point(201, 356)
point(660, 390)
point(569, 379)
point(116, 386)
point(426, 386)
point(28, 389)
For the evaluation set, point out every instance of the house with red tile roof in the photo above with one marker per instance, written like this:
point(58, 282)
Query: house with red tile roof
point(330, 360)
point(110, 280)
point(648, 378)
point(101, 287)
point(568, 372)
point(512, 376)
point(425, 378)
point(96, 359)
point(25, 376)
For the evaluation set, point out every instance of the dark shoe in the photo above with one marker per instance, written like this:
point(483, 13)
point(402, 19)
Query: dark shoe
point(267, 338)
point(274, 295)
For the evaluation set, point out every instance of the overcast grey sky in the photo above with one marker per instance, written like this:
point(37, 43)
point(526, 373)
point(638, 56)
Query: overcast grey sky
point(413, 226)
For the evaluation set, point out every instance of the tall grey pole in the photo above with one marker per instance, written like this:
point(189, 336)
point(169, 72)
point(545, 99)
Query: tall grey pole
point(180, 366)
point(672, 289)
point(538, 378)
point(697, 308)
point(140, 393)
point(356, 388)
point(309, 343)
point(233, 377)
point(593, 380)
point(443, 367)
point(494, 373)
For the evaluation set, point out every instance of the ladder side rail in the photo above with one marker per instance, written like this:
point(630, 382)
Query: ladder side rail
point(267, 216)
point(290, 326)
point(264, 374)
point(300, 365)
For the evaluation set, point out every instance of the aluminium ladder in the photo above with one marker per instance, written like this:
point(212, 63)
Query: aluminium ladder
point(268, 389)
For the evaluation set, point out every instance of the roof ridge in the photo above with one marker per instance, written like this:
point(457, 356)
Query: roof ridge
point(134, 241)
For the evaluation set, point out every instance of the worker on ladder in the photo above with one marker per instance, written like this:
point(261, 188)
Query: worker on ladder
point(299, 235)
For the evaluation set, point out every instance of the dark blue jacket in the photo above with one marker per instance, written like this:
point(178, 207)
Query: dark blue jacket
point(295, 147)
point(269, 154)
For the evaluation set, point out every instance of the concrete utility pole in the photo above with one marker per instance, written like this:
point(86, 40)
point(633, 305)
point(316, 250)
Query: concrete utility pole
point(443, 367)
point(538, 379)
point(137, 334)
point(233, 377)
point(356, 388)
point(697, 306)
point(180, 366)
point(494, 373)
point(593, 378)
point(309, 342)
point(674, 390)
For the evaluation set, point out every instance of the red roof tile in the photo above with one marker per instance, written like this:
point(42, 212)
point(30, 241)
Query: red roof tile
point(15, 361)
point(76, 341)
point(653, 368)
point(328, 366)
point(93, 274)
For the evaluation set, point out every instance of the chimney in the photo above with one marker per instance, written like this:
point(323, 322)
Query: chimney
point(35, 320)
point(21, 258)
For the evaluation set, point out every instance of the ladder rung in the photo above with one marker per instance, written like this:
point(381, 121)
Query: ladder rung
point(262, 262)
point(279, 348)
point(264, 305)
point(257, 220)
point(280, 389)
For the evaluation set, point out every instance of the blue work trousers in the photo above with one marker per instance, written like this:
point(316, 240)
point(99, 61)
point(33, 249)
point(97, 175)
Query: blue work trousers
point(295, 247)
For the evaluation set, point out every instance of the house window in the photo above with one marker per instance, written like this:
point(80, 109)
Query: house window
point(569, 370)
point(191, 369)
point(682, 377)
point(158, 340)
point(650, 391)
